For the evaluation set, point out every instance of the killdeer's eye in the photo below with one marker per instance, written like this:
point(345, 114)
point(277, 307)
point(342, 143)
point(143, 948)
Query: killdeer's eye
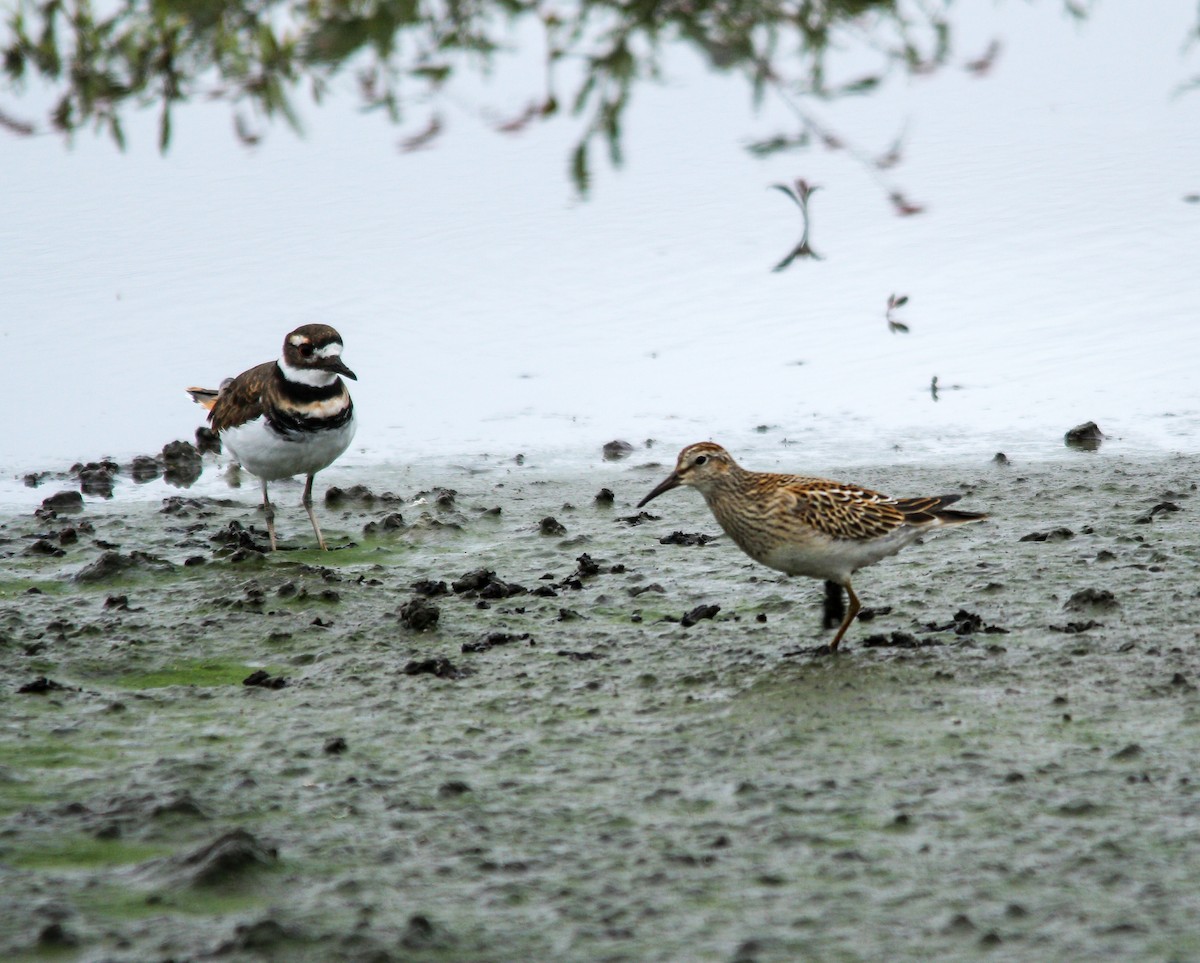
point(700, 459)
point(306, 349)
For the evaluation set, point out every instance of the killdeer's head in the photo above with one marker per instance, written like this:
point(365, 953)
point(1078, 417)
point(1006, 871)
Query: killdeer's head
point(312, 355)
point(703, 466)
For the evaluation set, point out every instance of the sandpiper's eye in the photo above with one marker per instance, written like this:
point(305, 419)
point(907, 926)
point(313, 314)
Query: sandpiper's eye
point(700, 459)
point(306, 349)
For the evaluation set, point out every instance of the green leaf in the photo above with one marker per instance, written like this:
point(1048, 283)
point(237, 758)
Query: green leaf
point(861, 86)
point(14, 62)
point(580, 175)
point(164, 127)
point(435, 73)
point(334, 41)
point(117, 131)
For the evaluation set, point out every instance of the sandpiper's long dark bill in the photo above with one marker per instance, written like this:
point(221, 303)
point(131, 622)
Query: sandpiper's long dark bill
point(671, 481)
point(807, 526)
point(287, 417)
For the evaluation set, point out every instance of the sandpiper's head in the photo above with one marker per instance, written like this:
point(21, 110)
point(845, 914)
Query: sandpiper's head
point(703, 465)
point(312, 355)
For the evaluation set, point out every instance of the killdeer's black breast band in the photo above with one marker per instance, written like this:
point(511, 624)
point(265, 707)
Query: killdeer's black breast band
point(288, 421)
point(301, 394)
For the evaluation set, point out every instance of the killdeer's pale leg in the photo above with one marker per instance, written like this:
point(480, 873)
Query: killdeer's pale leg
point(308, 507)
point(269, 514)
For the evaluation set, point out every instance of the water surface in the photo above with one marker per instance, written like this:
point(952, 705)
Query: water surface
point(1052, 277)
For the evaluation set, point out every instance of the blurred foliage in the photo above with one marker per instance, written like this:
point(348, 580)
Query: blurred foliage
point(99, 59)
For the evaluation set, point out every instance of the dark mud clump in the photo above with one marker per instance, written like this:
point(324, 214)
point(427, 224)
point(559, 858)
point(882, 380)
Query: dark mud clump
point(686, 538)
point(112, 565)
point(419, 614)
point(182, 464)
point(40, 686)
point(483, 583)
point(442, 498)
point(440, 667)
point(423, 935)
point(587, 566)
point(965, 623)
point(1085, 437)
point(1160, 508)
point(236, 537)
point(579, 656)
point(699, 613)
point(391, 522)
point(639, 518)
point(262, 938)
point(359, 495)
point(264, 680)
point(63, 502)
point(143, 468)
point(200, 507)
point(225, 860)
point(616, 450)
point(1091, 599)
point(97, 478)
point(1074, 628)
point(898, 640)
point(44, 546)
point(55, 938)
point(493, 639)
point(1060, 534)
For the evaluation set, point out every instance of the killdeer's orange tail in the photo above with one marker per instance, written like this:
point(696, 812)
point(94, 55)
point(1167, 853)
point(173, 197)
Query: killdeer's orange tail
point(207, 397)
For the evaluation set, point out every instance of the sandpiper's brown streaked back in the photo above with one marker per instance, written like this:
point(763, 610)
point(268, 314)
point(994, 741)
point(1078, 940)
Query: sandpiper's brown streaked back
point(807, 526)
point(288, 417)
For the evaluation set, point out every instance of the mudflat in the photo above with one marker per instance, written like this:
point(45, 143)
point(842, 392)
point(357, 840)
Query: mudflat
point(504, 720)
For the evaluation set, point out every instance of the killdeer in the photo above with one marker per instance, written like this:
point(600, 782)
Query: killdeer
point(287, 417)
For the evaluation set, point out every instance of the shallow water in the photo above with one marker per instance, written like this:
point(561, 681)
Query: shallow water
point(1051, 279)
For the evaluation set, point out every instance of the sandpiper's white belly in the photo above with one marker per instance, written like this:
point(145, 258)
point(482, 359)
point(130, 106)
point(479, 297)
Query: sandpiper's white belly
point(835, 558)
point(264, 452)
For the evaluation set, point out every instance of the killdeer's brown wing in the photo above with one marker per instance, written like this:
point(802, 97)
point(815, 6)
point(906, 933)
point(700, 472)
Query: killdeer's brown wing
point(842, 511)
point(242, 399)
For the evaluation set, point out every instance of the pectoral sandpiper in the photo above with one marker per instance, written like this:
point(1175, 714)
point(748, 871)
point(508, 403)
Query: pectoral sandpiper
point(288, 417)
point(807, 526)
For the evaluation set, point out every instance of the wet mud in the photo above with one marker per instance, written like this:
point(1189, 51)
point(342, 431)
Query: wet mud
point(470, 734)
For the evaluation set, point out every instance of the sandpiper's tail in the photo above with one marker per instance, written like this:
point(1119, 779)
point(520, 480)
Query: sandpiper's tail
point(933, 511)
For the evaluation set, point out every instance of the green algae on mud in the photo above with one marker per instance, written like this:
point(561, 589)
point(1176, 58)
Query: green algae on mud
point(194, 672)
point(83, 852)
point(595, 782)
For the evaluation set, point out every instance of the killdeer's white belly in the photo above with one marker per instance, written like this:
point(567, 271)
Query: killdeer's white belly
point(264, 452)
